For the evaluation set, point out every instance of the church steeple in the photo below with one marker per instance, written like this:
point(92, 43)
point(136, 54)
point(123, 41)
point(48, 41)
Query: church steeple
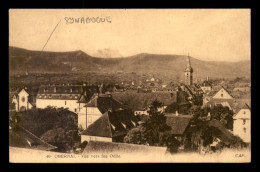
point(188, 73)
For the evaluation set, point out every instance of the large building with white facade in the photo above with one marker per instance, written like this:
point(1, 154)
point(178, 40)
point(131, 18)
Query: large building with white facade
point(242, 124)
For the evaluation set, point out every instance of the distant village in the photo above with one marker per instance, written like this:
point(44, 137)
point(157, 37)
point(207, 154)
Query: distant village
point(107, 114)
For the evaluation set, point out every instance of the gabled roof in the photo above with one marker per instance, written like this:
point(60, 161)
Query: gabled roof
point(206, 84)
point(178, 123)
point(246, 107)
point(110, 147)
point(224, 134)
point(140, 101)
point(101, 127)
point(111, 124)
point(225, 91)
point(41, 145)
point(235, 104)
point(103, 103)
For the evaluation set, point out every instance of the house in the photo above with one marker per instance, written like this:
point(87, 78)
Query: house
point(140, 102)
point(225, 99)
point(179, 125)
point(222, 94)
point(242, 124)
point(66, 96)
point(206, 86)
point(96, 107)
point(94, 147)
point(29, 140)
point(112, 126)
point(213, 97)
point(25, 99)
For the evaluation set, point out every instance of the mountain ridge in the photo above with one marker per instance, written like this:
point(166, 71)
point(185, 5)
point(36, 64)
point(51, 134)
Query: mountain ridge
point(21, 60)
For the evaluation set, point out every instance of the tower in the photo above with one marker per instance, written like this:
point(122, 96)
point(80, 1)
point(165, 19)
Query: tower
point(188, 73)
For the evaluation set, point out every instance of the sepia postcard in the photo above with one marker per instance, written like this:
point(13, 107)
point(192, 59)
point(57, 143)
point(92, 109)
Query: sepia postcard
point(129, 85)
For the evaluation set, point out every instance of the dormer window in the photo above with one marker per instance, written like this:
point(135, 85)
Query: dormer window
point(133, 123)
point(123, 125)
point(113, 127)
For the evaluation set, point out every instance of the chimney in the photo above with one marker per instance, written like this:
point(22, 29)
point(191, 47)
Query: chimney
point(55, 89)
point(176, 113)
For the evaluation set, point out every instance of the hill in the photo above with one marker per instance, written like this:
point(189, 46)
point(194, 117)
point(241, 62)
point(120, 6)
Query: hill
point(21, 60)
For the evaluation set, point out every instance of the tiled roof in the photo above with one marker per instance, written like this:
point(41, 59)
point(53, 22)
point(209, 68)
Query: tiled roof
point(111, 124)
point(46, 89)
point(224, 135)
point(101, 127)
point(41, 145)
point(71, 92)
point(103, 103)
point(206, 84)
point(178, 123)
point(109, 147)
point(235, 104)
point(140, 101)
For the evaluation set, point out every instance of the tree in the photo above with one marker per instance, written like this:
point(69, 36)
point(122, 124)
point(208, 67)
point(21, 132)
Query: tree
point(57, 126)
point(198, 100)
point(154, 131)
point(172, 108)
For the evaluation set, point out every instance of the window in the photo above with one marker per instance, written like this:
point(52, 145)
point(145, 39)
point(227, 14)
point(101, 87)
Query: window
point(221, 95)
point(23, 99)
point(75, 110)
point(90, 119)
point(244, 121)
point(244, 112)
point(244, 130)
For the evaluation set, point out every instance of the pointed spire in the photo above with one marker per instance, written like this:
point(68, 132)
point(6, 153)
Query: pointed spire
point(188, 67)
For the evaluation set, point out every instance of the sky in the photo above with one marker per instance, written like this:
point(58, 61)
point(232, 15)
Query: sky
point(205, 34)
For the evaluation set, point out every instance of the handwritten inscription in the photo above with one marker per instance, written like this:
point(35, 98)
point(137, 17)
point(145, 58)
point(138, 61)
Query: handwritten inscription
point(86, 20)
